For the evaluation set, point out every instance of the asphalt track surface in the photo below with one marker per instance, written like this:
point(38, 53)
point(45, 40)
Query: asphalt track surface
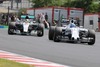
point(75, 55)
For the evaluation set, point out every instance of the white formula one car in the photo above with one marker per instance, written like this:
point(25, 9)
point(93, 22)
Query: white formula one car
point(74, 34)
point(26, 25)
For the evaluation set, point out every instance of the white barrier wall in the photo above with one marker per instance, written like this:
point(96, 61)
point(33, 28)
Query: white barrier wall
point(58, 13)
point(55, 13)
point(91, 21)
point(77, 13)
point(31, 12)
point(45, 10)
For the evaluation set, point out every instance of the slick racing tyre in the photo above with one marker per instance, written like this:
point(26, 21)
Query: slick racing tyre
point(91, 35)
point(51, 32)
point(57, 34)
point(10, 31)
point(40, 31)
point(11, 28)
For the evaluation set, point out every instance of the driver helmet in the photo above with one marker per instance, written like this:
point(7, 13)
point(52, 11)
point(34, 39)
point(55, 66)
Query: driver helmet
point(27, 20)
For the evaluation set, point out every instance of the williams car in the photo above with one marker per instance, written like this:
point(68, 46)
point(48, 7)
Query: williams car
point(73, 33)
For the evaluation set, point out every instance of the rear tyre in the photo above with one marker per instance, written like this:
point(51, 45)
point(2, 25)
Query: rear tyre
point(91, 35)
point(51, 32)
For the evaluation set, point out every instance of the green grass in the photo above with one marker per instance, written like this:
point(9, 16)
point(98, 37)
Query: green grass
point(9, 63)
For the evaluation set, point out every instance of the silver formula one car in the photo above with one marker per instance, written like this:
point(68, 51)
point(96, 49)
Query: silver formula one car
point(26, 25)
point(74, 34)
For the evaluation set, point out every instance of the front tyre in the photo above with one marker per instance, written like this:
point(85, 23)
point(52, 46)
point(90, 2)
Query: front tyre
point(57, 34)
point(40, 31)
point(91, 35)
point(10, 30)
